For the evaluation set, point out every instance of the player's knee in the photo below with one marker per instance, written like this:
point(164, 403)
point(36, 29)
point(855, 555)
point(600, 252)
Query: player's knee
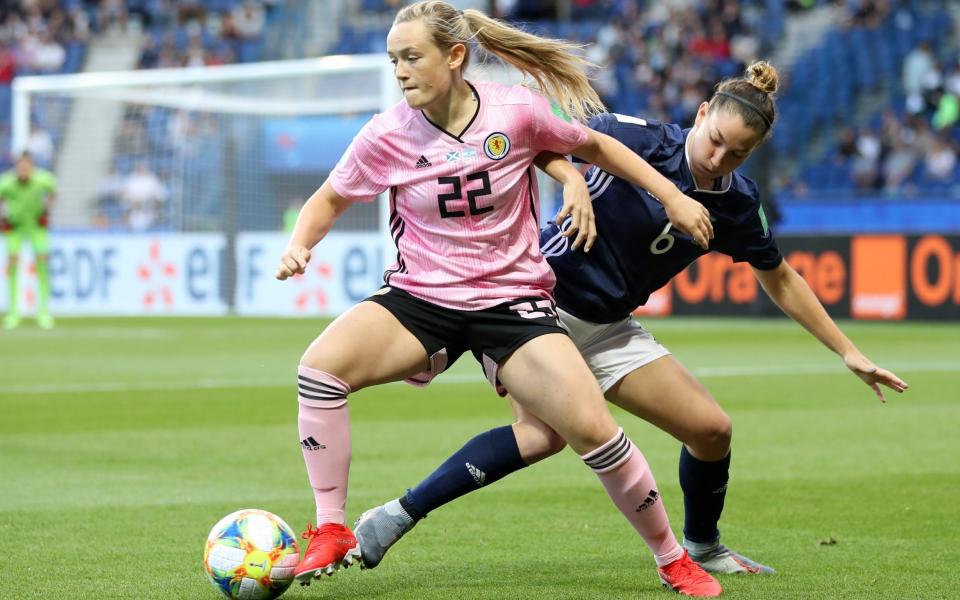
point(713, 436)
point(536, 440)
point(320, 389)
point(593, 433)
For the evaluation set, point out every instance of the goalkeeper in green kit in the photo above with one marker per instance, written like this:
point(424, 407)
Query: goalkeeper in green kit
point(26, 194)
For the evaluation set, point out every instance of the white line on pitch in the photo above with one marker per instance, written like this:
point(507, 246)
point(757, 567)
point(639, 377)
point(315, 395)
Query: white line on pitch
point(450, 378)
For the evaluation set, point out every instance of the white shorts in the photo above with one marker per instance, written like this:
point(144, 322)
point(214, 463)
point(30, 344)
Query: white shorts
point(612, 350)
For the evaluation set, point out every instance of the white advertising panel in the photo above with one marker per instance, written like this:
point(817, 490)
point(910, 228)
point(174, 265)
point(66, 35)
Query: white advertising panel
point(344, 269)
point(180, 274)
point(125, 274)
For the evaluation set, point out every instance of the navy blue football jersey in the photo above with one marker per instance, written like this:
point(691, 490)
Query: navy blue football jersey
point(637, 250)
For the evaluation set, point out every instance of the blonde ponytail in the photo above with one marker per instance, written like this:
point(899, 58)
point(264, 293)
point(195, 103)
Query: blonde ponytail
point(556, 66)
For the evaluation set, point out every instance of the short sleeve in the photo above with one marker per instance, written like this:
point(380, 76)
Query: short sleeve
point(755, 243)
point(554, 129)
point(361, 174)
point(644, 137)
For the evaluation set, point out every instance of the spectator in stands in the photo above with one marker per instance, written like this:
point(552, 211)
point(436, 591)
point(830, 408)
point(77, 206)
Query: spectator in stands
point(196, 54)
point(131, 139)
point(948, 110)
point(109, 204)
point(110, 12)
point(143, 197)
point(846, 145)
point(899, 164)
point(940, 162)
point(13, 29)
point(79, 22)
point(149, 53)
point(40, 146)
point(744, 46)
point(866, 163)
point(190, 10)
point(47, 54)
point(715, 44)
point(249, 19)
point(8, 63)
point(917, 68)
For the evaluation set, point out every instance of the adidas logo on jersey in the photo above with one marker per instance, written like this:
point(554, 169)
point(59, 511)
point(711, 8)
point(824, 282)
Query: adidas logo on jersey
point(478, 475)
point(651, 499)
point(311, 444)
point(422, 162)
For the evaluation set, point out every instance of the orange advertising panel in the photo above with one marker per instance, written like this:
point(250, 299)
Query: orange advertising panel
point(884, 276)
point(879, 277)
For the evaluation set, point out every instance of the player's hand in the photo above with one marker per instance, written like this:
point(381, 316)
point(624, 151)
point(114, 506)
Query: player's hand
point(293, 262)
point(578, 206)
point(873, 375)
point(692, 218)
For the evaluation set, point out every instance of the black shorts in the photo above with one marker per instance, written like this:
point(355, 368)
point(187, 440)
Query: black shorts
point(492, 335)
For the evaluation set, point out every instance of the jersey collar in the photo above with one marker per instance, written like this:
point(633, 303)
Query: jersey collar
point(720, 187)
point(458, 137)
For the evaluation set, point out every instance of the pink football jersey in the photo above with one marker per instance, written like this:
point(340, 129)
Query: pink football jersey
point(464, 210)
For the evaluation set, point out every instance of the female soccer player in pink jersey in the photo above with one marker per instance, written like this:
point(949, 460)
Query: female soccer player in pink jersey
point(457, 158)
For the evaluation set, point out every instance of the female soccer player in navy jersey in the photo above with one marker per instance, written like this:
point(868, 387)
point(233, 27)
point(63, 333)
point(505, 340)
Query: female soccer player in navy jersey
point(638, 250)
point(457, 158)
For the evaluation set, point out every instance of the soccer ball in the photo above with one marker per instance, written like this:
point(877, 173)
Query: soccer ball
point(251, 555)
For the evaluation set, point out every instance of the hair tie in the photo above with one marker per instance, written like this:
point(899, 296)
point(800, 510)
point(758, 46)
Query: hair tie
point(749, 105)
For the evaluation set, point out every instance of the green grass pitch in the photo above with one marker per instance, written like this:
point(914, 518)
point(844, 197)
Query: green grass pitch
point(122, 441)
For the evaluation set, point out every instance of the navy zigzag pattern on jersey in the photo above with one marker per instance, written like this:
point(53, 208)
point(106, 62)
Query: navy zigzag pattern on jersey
point(597, 182)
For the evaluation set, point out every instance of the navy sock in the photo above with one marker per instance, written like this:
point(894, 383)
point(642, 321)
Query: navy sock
point(481, 461)
point(704, 487)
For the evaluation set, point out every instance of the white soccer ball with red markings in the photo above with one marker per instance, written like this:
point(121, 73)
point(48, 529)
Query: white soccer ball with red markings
point(251, 555)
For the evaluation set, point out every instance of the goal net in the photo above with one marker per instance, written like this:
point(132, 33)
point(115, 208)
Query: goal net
point(267, 132)
point(191, 178)
point(230, 151)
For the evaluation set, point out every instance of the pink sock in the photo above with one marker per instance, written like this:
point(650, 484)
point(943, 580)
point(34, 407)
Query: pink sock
point(324, 423)
point(624, 473)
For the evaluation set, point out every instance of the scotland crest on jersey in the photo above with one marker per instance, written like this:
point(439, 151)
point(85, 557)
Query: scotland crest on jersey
point(496, 145)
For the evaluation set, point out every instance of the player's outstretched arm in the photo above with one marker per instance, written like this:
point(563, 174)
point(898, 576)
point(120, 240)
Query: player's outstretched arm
point(686, 214)
point(576, 199)
point(792, 294)
point(313, 223)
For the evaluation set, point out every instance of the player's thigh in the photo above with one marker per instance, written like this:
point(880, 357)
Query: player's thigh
point(547, 376)
point(365, 346)
point(14, 241)
point(40, 242)
point(666, 394)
